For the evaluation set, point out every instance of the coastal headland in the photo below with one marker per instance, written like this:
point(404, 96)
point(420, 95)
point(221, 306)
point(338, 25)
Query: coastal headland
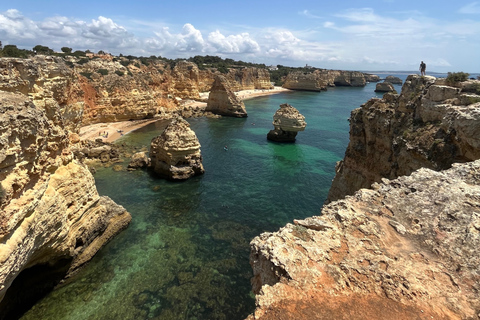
point(399, 235)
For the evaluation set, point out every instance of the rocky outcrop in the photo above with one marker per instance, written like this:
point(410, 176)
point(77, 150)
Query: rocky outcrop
point(51, 216)
point(384, 87)
point(223, 101)
point(371, 77)
point(319, 80)
point(175, 154)
point(287, 122)
point(51, 84)
point(428, 125)
point(408, 249)
point(393, 80)
point(139, 160)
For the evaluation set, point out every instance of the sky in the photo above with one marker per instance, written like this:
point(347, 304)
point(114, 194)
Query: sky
point(348, 35)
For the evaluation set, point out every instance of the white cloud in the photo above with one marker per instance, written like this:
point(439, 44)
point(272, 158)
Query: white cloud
point(471, 8)
point(352, 39)
point(308, 14)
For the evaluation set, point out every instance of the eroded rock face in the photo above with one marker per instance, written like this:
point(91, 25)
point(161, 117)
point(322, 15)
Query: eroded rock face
point(371, 77)
point(223, 101)
point(175, 154)
point(50, 210)
point(319, 80)
point(429, 125)
point(287, 122)
point(408, 249)
point(384, 87)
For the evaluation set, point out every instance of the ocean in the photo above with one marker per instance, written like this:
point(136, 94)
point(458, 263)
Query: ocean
point(186, 253)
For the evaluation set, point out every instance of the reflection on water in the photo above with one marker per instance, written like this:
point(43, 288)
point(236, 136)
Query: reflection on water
point(186, 252)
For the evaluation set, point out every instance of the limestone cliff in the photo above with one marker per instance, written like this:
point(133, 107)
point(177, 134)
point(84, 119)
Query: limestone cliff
point(408, 249)
point(321, 79)
point(248, 79)
point(51, 216)
point(287, 122)
point(430, 124)
point(223, 101)
point(175, 154)
point(103, 88)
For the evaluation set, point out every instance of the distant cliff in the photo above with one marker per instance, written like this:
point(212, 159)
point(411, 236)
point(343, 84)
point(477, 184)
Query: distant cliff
point(429, 125)
point(110, 89)
point(321, 79)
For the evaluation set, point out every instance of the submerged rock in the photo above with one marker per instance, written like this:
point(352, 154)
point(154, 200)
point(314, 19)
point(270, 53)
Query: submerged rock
point(223, 101)
point(175, 154)
point(287, 122)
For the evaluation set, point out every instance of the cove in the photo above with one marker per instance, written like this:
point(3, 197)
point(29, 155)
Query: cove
point(186, 253)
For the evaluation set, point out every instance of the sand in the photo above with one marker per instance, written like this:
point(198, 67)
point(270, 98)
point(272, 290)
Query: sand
point(111, 131)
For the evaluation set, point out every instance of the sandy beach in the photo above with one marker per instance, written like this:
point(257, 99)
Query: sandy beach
point(111, 131)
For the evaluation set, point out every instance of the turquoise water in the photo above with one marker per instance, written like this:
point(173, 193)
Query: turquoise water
point(186, 253)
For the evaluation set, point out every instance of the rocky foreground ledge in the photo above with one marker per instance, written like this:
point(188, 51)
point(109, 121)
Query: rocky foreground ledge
point(408, 249)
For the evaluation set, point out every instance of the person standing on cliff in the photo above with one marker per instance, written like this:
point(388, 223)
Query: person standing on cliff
point(423, 67)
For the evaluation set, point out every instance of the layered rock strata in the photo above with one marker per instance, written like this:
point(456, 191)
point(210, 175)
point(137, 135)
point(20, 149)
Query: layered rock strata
point(223, 101)
point(287, 121)
point(405, 250)
point(51, 216)
point(430, 124)
point(175, 154)
point(319, 80)
point(103, 88)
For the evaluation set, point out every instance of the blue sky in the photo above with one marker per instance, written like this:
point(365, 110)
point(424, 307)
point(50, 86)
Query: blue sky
point(352, 35)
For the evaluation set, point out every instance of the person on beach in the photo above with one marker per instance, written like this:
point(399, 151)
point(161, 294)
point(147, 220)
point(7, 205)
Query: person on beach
point(423, 67)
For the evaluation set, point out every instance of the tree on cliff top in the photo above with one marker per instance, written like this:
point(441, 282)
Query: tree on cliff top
point(66, 50)
point(39, 49)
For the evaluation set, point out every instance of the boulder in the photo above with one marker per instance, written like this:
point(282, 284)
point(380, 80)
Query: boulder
point(139, 160)
point(287, 122)
point(175, 154)
point(223, 101)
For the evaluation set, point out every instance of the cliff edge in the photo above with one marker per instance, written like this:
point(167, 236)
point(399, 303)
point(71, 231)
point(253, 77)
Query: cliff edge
point(52, 219)
point(431, 124)
point(408, 249)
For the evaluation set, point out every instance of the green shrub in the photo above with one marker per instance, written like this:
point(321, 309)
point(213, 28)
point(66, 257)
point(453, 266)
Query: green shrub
point(125, 63)
point(120, 73)
point(69, 63)
point(3, 193)
point(87, 75)
point(83, 61)
point(454, 77)
point(11, 50)
point(103, 72)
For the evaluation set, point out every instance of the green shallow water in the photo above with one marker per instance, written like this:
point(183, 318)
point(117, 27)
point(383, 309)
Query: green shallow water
point(186, 253)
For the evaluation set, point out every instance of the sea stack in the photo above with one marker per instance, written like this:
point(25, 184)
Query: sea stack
point(384, 87)
point(287, 122)
point(175, 154)
point(223, 101)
